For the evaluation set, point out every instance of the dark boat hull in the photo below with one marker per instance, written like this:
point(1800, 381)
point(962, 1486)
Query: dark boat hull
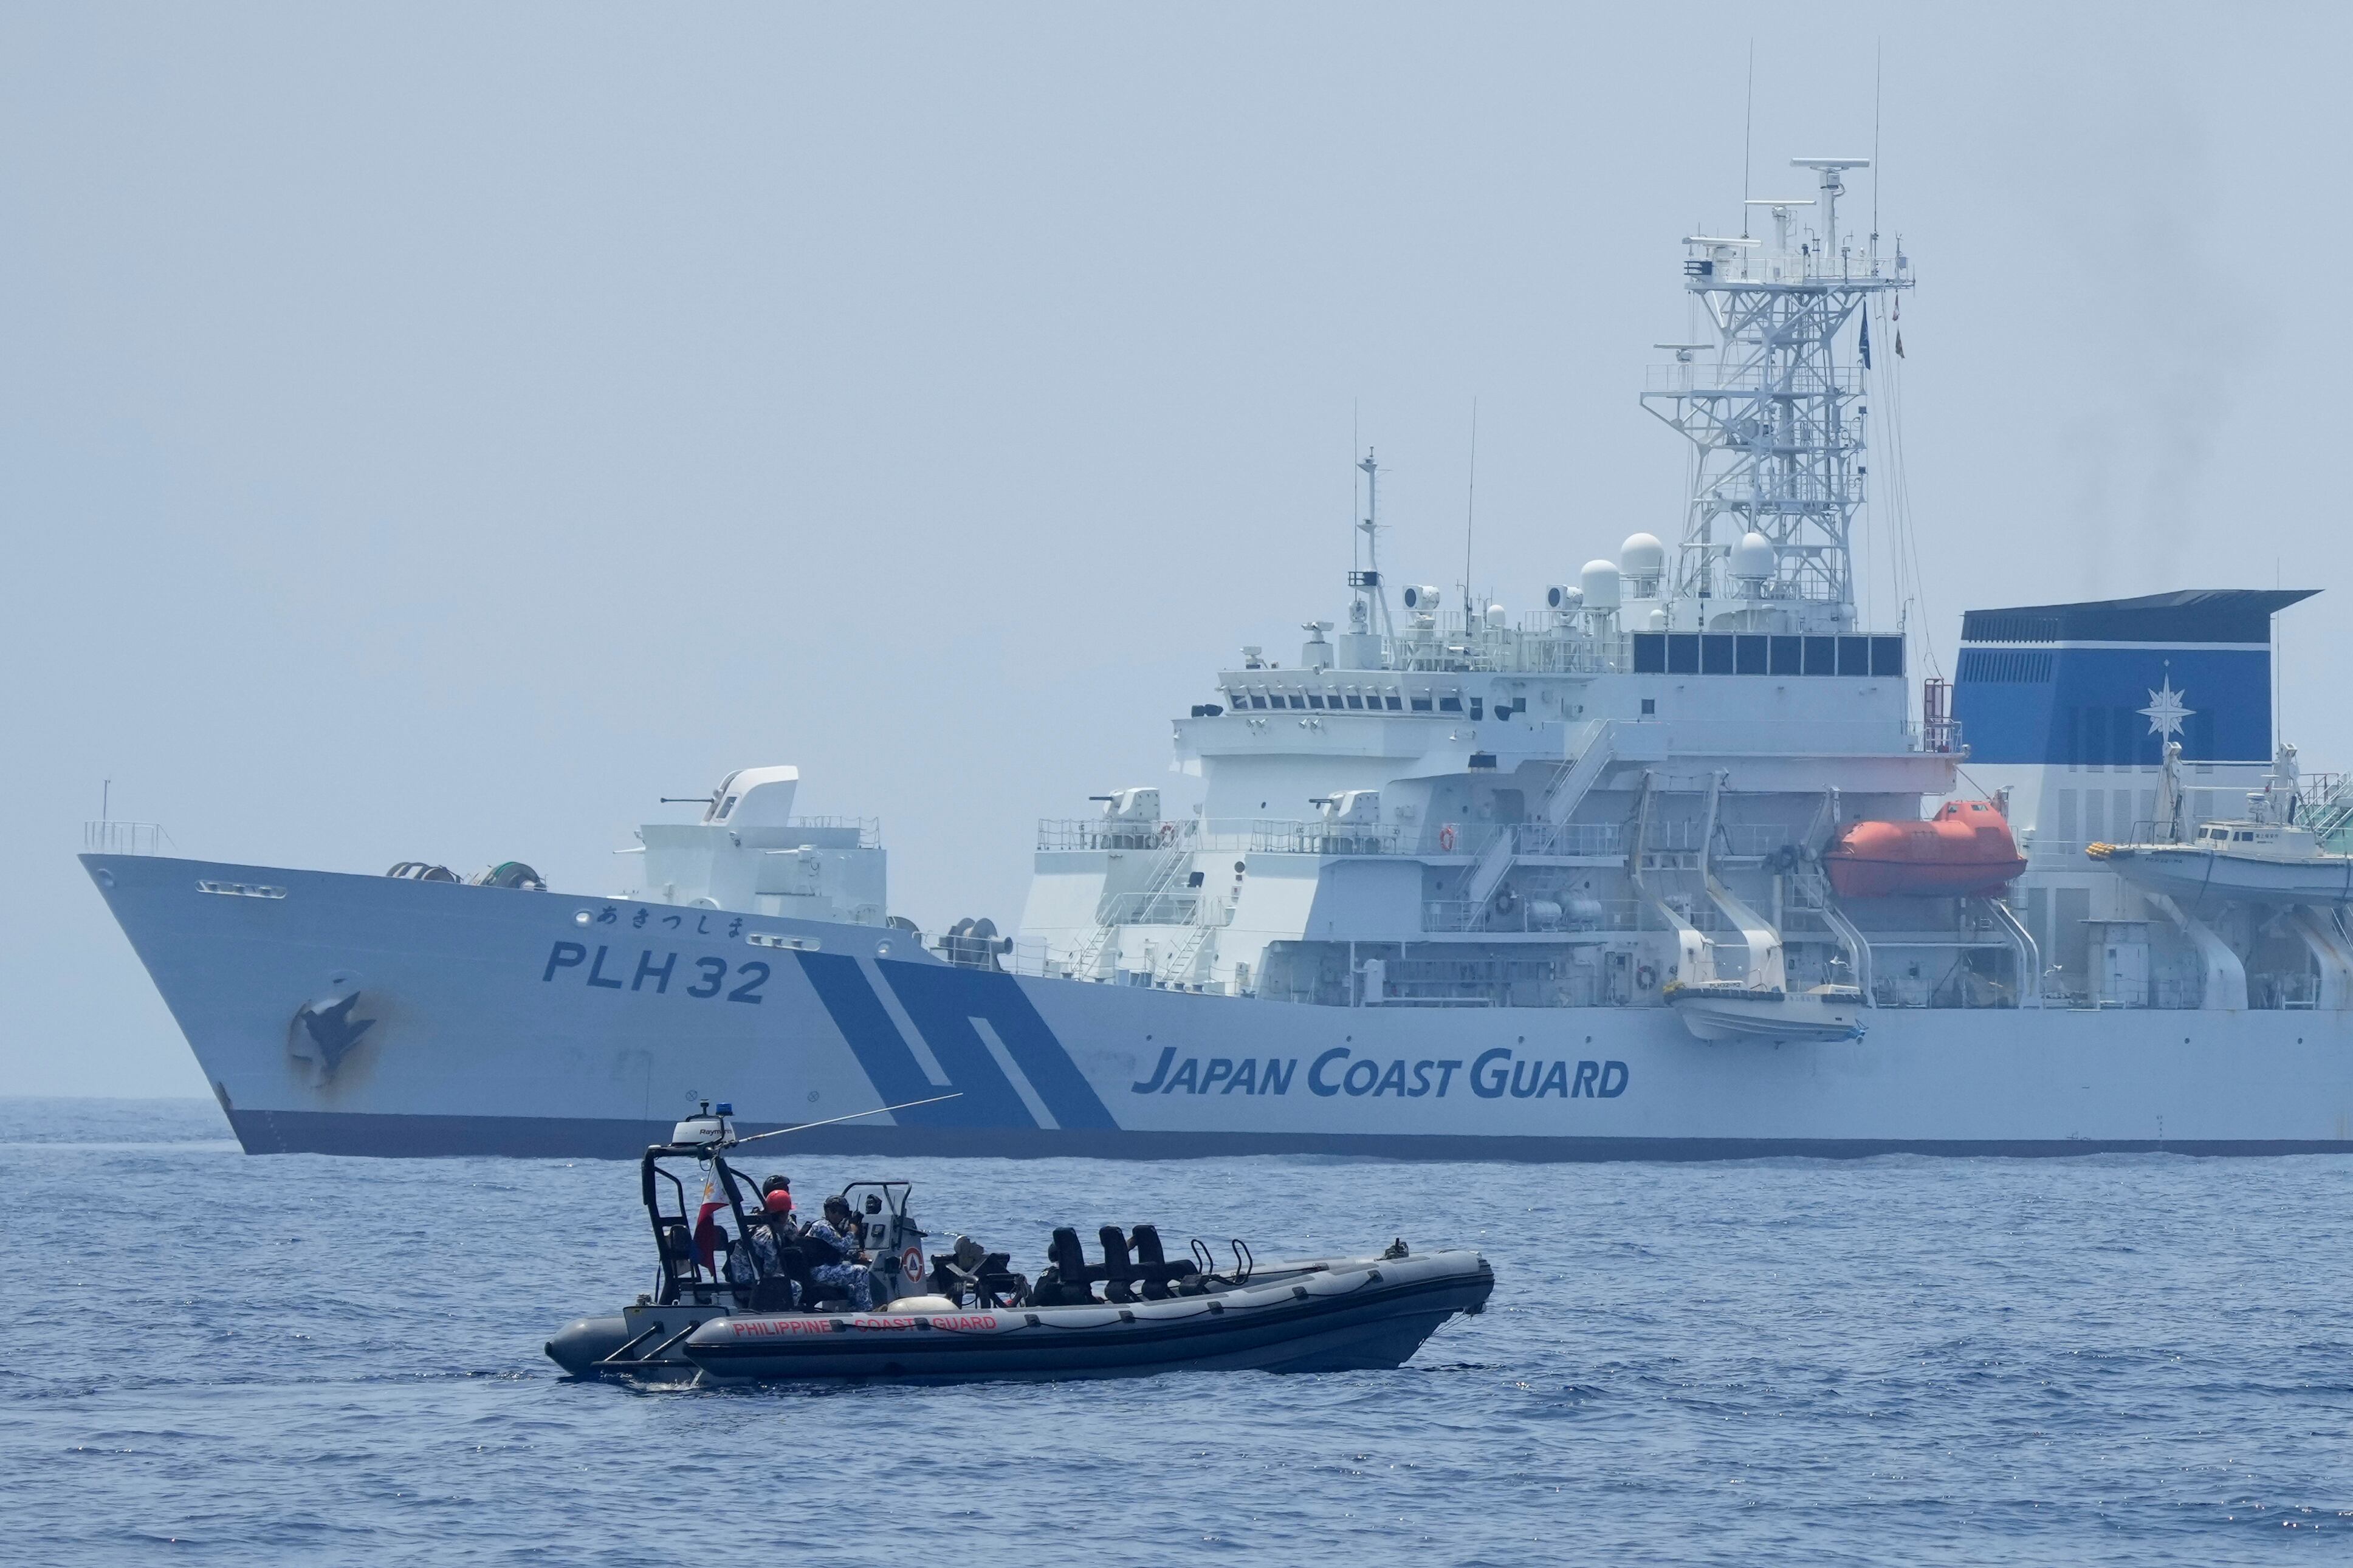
point(1366, 1316)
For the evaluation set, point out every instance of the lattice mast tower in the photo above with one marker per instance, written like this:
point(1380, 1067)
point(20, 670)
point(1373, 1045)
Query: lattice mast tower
point(1777, 420)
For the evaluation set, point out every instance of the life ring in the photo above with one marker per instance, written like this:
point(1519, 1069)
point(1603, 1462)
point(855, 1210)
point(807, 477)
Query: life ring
point(1168, 833)
point(910, 1266)
point(1645, 976)
point(1446, 837)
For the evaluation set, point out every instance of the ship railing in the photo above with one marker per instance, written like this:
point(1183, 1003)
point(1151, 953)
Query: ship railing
point(2158, 994)
point(868, 828)
point(1544, 642)
point(1265, 835)
point(1684, 378)
point(1462, 840)
point(1044, 960)
point(1168, 907)
point(1467, 840)
point(123, 838)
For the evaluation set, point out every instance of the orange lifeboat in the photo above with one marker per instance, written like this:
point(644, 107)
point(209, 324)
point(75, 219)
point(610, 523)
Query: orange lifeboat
point(1965, 848)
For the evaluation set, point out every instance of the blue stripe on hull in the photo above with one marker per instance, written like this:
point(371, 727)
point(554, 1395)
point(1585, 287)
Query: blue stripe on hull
point(330, 1132)
point(942, 1002)
point(883, 1055)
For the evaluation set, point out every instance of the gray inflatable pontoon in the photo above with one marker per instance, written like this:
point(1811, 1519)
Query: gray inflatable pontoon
point(762, 1314)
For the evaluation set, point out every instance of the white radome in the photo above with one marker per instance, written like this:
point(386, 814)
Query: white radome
point(1752, 559)
point(1600, 583)
point(1642, 556)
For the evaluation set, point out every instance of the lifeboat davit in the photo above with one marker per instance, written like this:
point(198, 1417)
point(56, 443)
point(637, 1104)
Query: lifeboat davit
point(1965, 848)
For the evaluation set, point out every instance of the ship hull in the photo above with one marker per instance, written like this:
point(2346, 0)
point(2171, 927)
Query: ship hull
point(491, 1021)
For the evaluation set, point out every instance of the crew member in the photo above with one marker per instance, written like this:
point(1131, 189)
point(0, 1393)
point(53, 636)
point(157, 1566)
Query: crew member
point(844, 1273)
point(768, 1191)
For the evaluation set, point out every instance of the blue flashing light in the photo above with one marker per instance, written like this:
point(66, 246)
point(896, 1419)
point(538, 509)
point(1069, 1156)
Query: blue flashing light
point(726, 1108)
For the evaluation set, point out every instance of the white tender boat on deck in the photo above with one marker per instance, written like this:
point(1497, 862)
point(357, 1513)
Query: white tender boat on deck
point(2272, 856)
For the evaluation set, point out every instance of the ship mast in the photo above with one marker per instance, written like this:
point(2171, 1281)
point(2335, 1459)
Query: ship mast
point(1369, 610)
point(1777, 421)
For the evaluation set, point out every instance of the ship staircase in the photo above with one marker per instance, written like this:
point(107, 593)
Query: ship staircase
point(1084, 963)
point(1174, 968)
point(1146, 906)
point(1591, 753)
point(2327, 810)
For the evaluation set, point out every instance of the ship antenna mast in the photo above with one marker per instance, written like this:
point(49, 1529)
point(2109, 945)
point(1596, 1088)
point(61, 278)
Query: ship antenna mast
point(1470, 517)
point(1368, 612)
point(1778, 422)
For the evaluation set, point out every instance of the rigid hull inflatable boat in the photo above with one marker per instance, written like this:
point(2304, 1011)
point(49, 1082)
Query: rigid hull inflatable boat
point(765, 1313)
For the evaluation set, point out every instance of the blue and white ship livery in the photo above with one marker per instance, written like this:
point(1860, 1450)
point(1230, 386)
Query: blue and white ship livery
point(1458, 885)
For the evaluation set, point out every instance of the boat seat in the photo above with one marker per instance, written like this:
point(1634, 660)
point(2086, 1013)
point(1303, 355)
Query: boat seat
point(1118, 1274)
point(1069, 1270)
point(1153, 1268)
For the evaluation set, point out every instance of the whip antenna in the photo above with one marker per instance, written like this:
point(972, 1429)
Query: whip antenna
point(853, 1116)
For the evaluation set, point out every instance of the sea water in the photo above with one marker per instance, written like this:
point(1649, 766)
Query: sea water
point(2144, 1359)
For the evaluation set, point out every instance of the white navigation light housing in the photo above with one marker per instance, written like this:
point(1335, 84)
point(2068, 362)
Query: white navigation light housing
point(1600, 583)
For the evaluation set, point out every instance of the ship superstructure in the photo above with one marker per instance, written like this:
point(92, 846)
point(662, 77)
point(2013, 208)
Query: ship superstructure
point(1615, 795)
point(1690, 861)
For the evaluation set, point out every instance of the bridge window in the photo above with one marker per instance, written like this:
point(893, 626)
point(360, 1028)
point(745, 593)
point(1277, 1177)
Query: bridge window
point(1315, 699)
point(1421, 702)
point(1855, 656)
point(1392, 700)
point(1749, 656)
point(1650, 652)
point(1821, 656)
point(1450, 703)
point(1789, 656)
point(1682, 652)
point(1357, 701)
point(1715, 655)
point(1887, 656)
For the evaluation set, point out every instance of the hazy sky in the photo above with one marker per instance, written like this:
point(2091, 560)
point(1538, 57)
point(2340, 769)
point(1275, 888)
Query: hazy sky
point(439, 431)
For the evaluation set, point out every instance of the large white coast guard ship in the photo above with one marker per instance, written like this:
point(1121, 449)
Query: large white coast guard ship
point(1688, 863)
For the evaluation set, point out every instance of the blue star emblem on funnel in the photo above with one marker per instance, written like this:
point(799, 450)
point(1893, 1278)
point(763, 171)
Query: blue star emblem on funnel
point(2165, 711)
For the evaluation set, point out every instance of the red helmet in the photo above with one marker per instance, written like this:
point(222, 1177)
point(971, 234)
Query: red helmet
point(780, 1202)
